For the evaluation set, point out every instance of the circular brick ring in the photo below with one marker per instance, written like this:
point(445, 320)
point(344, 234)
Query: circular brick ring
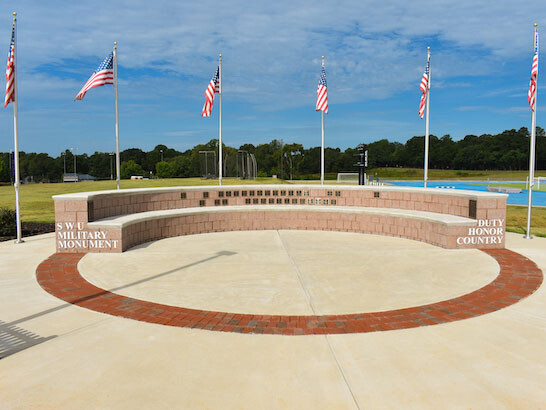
point(518, 278)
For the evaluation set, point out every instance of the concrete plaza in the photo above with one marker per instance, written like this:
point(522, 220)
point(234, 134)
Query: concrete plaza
point(57, 355)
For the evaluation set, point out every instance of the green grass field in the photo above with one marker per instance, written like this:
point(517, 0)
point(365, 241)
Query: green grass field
point(516, 220)
point(433, 175)
point(451, 174)
point(37, 204)
point(522, 186)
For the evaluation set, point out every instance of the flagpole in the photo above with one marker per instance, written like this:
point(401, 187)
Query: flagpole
point(118, 172)
point(427, 119)
point(220, 121)
point(322, 144)
point(532, 155)
point(16, 135)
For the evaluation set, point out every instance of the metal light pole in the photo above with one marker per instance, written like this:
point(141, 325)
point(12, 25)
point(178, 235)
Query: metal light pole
point(64, 163)
point(111, 168)
point(74, 155)
point(10, 170)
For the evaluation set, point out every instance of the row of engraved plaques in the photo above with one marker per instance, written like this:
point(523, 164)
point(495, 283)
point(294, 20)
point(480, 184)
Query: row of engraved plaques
point(227, 194)
point(278, 201)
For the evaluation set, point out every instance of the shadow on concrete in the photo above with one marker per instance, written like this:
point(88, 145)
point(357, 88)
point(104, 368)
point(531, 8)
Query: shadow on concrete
point(14, 339)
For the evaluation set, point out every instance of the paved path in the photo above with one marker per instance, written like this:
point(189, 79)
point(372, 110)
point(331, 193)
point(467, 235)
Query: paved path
point(58, 355)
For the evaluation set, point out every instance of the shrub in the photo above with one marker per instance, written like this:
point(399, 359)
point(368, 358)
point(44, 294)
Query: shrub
point(7, 222)
point(130, 168)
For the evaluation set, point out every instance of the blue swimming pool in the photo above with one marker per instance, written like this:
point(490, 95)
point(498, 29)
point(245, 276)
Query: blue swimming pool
point(539, 198)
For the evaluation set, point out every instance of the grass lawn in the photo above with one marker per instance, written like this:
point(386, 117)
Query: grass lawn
point(516, 219)
point(37, 204)
point(447, 174)
point(522, 186)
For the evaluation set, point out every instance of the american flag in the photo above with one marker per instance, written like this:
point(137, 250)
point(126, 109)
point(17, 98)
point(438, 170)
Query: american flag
point(534, 74)
point(213, 88)
point(424, 88)
point(10, 71)
point(322, 93)
point(102, 76)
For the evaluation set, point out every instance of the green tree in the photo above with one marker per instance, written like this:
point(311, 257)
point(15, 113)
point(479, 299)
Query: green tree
point(182, 166)
point(134, 154)
point(264, 154)
point(164, 169)
point(129, 168)
point(4, 167)
point(380, 154)
point(311, 161)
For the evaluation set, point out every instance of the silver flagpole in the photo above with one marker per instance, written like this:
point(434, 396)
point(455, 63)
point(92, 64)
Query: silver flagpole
point(532, 153)
point(426, 121)
point(118, 171)
point(322, 145)
point(16, 134)
point(220, 122)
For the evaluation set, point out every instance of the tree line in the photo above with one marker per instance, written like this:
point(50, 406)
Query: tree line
point(508, 150)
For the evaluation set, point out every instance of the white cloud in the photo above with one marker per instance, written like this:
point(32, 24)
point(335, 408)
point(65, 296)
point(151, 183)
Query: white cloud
point(373, 48)
point(168, 50)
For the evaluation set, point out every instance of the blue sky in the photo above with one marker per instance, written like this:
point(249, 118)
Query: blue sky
point(375, 55)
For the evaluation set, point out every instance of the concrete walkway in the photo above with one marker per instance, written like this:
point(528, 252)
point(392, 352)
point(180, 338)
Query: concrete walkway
point(57, 355)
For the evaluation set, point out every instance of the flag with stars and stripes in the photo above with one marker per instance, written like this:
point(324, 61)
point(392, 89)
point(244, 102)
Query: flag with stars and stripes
point(10, 71)
point(213, 88)
point(534, 74)
point(424, 88)
point(322, 93)
point(102, 76)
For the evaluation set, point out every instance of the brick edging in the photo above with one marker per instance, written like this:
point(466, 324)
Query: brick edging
point(518, 278)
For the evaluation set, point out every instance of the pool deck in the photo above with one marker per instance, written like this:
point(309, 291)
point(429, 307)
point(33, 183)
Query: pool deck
point(57, 355)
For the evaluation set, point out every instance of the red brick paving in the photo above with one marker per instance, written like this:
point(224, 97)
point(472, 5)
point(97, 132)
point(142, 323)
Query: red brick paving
point(519, 277)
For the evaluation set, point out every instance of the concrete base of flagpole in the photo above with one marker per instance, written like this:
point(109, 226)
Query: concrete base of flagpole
point(18, 241)
point(526, 236)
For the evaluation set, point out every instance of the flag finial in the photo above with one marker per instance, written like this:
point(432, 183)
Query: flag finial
point(428, 48)
point(14, 14)
point(115, 43)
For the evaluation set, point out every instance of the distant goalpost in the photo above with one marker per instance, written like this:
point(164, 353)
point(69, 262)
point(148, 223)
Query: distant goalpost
point(347, 178)
point(352, 178)
point(538, 180)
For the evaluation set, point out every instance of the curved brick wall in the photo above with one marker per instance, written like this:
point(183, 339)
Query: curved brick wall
point(103, 204)
point(241, 220)
point(83, 218)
